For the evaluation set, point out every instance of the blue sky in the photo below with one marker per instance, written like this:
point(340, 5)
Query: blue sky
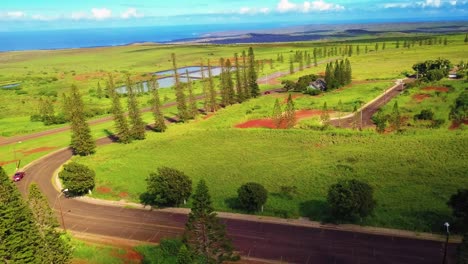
point(16, 15)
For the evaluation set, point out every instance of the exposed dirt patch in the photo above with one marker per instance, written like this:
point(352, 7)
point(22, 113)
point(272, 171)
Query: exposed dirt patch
point(89, 75)
point(302, 114)
point(37, 150)
point(3, 163)
point(436, 88)
point(421, 97)
point(130, 256)
point(123, 194)
point(456, 125)
point(268, 122)
point(103, 189)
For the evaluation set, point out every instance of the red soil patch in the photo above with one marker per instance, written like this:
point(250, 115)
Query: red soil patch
point(103, 189)
point(434, 88)
point(421, 97)
point(130, 256)
point(456, 125)
point(268, 122)
point(123, 194)
point(2, 163)
point(37, 150)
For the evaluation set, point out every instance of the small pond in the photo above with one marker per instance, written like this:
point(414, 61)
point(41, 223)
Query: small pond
point(9, 86)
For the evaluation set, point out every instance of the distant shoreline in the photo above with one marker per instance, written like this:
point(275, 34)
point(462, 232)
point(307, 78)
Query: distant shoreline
point(312, 32)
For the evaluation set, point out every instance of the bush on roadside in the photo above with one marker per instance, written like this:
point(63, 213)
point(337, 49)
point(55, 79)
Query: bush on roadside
point(252, 196)
point(167, 187)
point(351, 199)
point(77, 178)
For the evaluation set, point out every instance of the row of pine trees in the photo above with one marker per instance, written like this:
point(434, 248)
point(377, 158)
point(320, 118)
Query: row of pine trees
point(28, 229)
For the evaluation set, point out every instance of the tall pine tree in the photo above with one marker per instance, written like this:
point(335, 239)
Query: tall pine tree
point(252, 76)
point(211, 90)
point(82, 142)
point(277, 115)
point(229, 84)
point(240, 93)
point(180, 95)
point(193, 109)
point(290, 115)
point(120, 121)
point(204, 234)
point(159, 123)
point(55, 248)
point(325, 116)
point(245, 81)
point(20, 241)
point(137, 126)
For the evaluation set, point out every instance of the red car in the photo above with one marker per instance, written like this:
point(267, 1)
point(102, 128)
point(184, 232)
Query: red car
point(18, 176)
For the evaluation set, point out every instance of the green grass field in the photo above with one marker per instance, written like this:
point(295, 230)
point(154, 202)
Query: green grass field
point(51, 73)
point(413, 173)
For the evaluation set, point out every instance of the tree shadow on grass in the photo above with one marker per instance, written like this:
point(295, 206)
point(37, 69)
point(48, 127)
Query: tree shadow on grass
point(113, 137)
point(316, 210)
point(233, 203)
point(433, 221)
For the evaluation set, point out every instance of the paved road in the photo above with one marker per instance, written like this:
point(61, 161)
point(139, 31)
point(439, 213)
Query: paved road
point(293, 244)
point(365, 115)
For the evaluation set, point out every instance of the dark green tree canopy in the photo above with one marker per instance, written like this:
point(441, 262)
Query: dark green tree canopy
point(77, 178)
point(167, 187)
point(459, 203)
point(433, 69)
point(252, 196)
point(204, 234)
point(20, 241)
point(349, 199)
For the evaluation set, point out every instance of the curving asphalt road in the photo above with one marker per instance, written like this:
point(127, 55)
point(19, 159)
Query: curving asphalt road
point(280, 242)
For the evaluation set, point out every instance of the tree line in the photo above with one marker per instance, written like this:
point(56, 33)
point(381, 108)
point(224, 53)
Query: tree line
point(237, 83)
point(28, 229)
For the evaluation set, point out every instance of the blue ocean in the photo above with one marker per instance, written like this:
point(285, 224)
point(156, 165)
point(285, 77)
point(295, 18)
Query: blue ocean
point(81, 38)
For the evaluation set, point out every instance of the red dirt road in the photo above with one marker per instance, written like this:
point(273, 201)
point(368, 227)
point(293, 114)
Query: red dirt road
point(280, 242)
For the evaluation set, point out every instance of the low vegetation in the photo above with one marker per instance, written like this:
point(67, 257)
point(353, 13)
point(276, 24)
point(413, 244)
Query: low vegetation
point(77, 178)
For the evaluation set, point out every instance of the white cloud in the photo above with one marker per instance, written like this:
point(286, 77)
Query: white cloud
point(397, 5)
point(131, 13)
point(101, 13)
point(431, 3)
point(244, 10)
point(15, 14)
point(286, 6)
point(264, 10)
point(253, 11)
point(79, 15)
point(425, 4)
point(308, 6)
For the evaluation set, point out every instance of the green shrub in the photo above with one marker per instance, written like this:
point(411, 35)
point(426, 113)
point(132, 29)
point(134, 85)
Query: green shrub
point(349, 199)
point(77, 178)
point(252, 196)
point(167, 187)
point(170, 247)
point(425, 114)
